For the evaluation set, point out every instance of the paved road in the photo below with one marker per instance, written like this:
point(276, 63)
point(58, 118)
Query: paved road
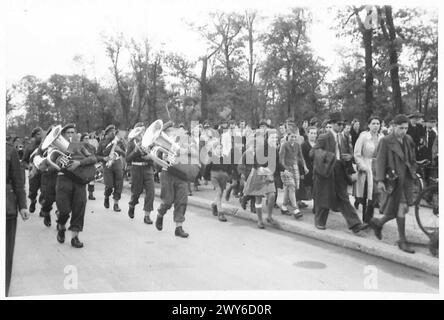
point(123, 255)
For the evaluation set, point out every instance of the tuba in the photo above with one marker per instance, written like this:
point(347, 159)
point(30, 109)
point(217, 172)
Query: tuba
point(134, 133)
point(58, 155)
point(156, 142)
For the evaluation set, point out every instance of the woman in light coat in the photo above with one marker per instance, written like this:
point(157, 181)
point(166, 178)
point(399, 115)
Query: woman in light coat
point(364, 154)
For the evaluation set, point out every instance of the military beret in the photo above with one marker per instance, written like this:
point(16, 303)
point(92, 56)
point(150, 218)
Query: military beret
point(167, 125)
point(82, 137)
point(138, 124)
point(110, 127)
point(36, 131)
point(263, 122)
point(68, 126)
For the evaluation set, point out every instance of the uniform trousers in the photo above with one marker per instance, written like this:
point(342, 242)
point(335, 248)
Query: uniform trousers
point(70, 198)
point(142, 178)
point(113, 179)
point(48, 189)
point(34, 186)
point(173, 191)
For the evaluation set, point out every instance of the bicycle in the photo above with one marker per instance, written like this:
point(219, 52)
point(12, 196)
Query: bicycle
point(427, 208)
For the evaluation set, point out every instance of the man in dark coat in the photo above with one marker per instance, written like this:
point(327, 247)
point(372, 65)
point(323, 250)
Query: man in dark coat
point(396, 174)
point(416, 130)
point(15, 200)
point(330, 190)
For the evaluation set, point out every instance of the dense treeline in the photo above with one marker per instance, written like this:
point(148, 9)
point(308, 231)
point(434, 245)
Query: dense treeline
point(243, 74)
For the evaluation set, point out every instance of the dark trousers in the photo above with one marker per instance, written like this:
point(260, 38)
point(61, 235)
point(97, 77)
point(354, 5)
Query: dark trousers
point(48, 190)
point(347, 210)
point(90, 187)
point(142, 178)
point(173, 191)
point(34, 186)
point(113, 179)
point(71, 198)
point(11, 228)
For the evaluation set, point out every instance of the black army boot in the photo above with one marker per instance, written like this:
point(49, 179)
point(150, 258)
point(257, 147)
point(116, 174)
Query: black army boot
point(32, 206)
point(47, 219)
point(179, 232)
point(159, 222)
point(76, 243)
point(60, 233)
point(131, 212)
point(116, 207)
point(106, 203)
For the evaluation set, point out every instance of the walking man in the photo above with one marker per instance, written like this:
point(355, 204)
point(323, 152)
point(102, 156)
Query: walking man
point(112, 166)
point(395, 175)
point(142, 176)
point(34, 173)
point(330, 178)
point(71, 187)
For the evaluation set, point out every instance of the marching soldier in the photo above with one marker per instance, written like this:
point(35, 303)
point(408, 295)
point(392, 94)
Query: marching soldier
point(48, 186)
point(15, 200)
point(142, 176)
point(90, 146)
point(34, 174)
point(174, 190)
point(112, 165)
point(70, 188)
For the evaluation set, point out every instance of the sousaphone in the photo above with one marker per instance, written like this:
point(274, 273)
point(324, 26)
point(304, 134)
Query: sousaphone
point(164, 152)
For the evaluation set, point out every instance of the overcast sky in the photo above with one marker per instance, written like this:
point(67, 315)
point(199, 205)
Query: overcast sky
point(43, 36)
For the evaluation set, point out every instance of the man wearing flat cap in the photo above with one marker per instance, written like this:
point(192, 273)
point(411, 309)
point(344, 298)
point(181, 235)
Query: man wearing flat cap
point(34, 174)
point(330, 178)
point(71, 187)
point(142, 175)
point(112, 165)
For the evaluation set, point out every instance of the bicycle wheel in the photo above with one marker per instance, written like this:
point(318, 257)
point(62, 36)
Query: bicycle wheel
point(427, 210)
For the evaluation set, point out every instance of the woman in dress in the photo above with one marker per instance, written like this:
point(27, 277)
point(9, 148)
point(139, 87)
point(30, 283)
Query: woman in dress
point(364, 154)
point(259, 174)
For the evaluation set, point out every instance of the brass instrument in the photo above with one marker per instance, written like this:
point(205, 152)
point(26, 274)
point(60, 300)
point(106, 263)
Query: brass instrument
point(155, 141)
point(58, 146)
point(134, 133)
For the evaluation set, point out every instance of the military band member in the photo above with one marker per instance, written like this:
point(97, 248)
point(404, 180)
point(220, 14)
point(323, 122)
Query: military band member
point(15, 201)
point(142, 176)
point(34, 174)
point(70, 188)
point(112, 166)
point(90, 146)
point(48, 186)
point(174, 190)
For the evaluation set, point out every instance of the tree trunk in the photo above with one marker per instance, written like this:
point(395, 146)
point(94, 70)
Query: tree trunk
point(204, 90)
point(154, 104)
point(288, 92)
point(393, 58)
point(367, 37)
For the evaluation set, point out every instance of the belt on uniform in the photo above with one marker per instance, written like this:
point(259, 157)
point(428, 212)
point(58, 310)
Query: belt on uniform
point(140, 163)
